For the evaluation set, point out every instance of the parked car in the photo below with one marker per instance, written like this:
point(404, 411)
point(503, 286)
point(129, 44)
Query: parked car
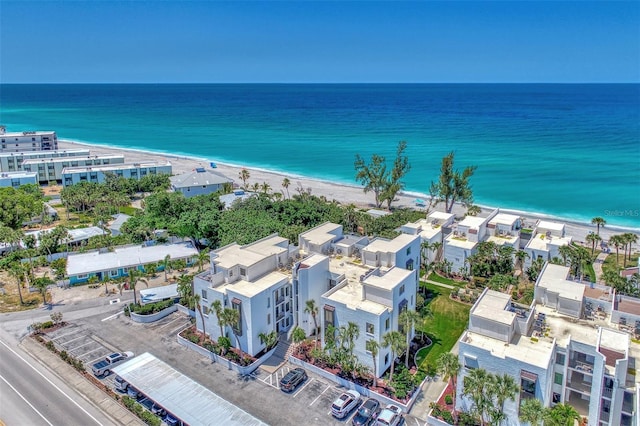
point(158, 410)
point(172, 421)
point(345, 404)
point(390, 416)
point(292, 379)
point(120, 384)
point(367, 413)
point(133, 392)
point(104, 366)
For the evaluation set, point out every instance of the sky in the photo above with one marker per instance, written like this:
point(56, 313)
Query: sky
point(319, 41)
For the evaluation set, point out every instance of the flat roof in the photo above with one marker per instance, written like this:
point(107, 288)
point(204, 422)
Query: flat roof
point(440, 216)
point(537, 243)
point(75, 235)
point(391, 246)
point(322, 234)
point(181, 396)
point(554, 279)
point(388, 280)
point(461, 242)
point(45, 154)
point(250, 254)
point(628, 305)
point(110, 167)
point(28, 133)
point(75, 158)
point(119, 220)
point(350, 295)
point(520, 348)
point(492, 306)
point(472, 221)
point(155, 294)
point(18, 175)
point(503, 239)
point(123, 257)
point(555, 226)
point(251, 288)
point(504, 219)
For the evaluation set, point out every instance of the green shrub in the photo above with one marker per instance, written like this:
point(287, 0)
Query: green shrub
point(447, 417)
point(47, 324)
point(448, 399)
point(151, 308)
point(49, 345)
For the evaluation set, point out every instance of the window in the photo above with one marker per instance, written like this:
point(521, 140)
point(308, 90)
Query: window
point(83, 276)
point(370, 328)
point(329, 317)
point(557, 379)
point(402, 289)
point(268, 319)
point(113, 273)
point(560, 359)
point(205, 310)
point(237, 305)
point(268, 302)
point(243, 271)
point(387, 324)
point(204, 294)
point(470, 362)
point(386, 359)
point(408, 251)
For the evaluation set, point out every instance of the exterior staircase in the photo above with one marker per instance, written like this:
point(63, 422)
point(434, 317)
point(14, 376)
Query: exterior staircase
point(280, 356)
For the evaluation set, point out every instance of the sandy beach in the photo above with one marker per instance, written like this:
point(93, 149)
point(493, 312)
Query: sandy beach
point(345, 194)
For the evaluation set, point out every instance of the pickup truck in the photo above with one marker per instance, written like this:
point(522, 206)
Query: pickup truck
point(104, 366)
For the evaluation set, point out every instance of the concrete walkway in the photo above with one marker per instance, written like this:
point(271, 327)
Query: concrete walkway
point(438, 284)
point(597, 265)
point(73, 378)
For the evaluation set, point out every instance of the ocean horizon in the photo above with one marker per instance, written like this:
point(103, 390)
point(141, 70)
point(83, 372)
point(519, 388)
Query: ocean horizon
point(565, 151)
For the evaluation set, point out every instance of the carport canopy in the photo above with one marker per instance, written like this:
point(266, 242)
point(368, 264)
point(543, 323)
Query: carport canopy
point(178, 394)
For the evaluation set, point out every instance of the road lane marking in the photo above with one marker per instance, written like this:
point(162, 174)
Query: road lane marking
point(25, 400)
point(51, 383)
point(318, 397)
point(112, 316)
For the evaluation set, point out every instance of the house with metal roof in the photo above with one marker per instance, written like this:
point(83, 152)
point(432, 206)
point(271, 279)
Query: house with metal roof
point(118, 221)
point(199, 182)
point(118, 262)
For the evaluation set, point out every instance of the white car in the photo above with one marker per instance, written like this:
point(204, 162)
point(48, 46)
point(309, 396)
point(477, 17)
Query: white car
point(390, 416)
point(345, 404)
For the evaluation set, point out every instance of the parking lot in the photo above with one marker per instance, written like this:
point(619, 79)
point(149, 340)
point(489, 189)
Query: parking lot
point(92, 338)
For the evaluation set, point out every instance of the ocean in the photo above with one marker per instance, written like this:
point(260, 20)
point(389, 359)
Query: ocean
point(569, 151)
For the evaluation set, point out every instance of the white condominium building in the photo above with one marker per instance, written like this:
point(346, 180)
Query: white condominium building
point(431, 231)
point(504, 230)
point(463, 241)
point(17, 179)
point(74, 175)
point(50, 169)
point(546, 240)
point(12, 161)
point(572, 345)
point(27, 141)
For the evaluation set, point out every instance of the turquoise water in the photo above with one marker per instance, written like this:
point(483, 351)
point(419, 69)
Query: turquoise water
point(570, 151)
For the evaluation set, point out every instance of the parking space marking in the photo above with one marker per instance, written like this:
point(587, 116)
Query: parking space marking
point(87, 353)
point(318, 397)
point(304, 386)
point(72, 340)
point(70, 349)
point(116, 315)
point(66, 334)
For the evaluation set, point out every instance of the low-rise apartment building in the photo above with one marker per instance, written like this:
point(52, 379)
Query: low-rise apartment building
point(463, 241)
point(17, 179)
point(546, 240)
point(563, 348)
point(97, 174)
point(50, 169)
point(504, 230)
point(431, 231)
point(27, 141)
point(12, 161)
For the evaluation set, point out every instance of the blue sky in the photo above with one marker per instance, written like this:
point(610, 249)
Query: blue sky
point(328, 41)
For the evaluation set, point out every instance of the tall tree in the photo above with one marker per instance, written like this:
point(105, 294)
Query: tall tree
point(136, 276)
point(395, 341)
point(203, 256)
point(372, 347)
point(196, 302)
point(593, 239)
point(504, 388)
point(312, 309)
point(298, 336)
point(408, 319)
point(452, 185)
point(448, 365)
point(285, 184)
point(617, 241)
point(598, 222)
point(561, 415)
point(532, 411)
point(216, 307)
point(166, 265)
point(231, 318)
point(373, 175)
point(477, 386)
point(400, 169)
point(17, 271)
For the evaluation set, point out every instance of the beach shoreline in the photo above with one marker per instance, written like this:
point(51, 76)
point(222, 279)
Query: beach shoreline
point(341, 192)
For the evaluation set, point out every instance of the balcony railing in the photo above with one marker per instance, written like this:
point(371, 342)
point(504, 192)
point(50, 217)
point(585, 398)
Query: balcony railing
point(580, 386)
point(582, 366)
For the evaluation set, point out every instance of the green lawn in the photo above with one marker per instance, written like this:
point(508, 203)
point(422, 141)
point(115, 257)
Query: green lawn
point(449, 320)
point(442, 280)
point(131, 211)
point(610, 261)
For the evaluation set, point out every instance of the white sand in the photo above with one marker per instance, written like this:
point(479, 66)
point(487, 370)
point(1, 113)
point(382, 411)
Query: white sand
point(344, 194)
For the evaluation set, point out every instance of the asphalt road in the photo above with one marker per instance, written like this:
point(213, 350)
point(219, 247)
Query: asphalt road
point(30, 395)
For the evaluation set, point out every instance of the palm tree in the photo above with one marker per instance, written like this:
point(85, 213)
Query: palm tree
point(436, 247)
point(593, 239)
point(244, 177)
point(448, 365)
point(216, 307)
point(196, 302)
point(598, 221)
point(561, 415)
point(312, 308)
point(617, 241)
point(372, 347)
point(394, 340)
point(531, 411)
point(231, 318)
point(352, 333)
point(298, 336)
point(425, 250)
point(504, 387)
point(17, 271)
point(265, 188)
point(135, 276)
point(565, 252)
point(269, 339)
point(203, 255)
point(629, 239)
point(166, 264)
point(408, 318)
point(285, 184)
point(477, 386)
point(521, 256)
